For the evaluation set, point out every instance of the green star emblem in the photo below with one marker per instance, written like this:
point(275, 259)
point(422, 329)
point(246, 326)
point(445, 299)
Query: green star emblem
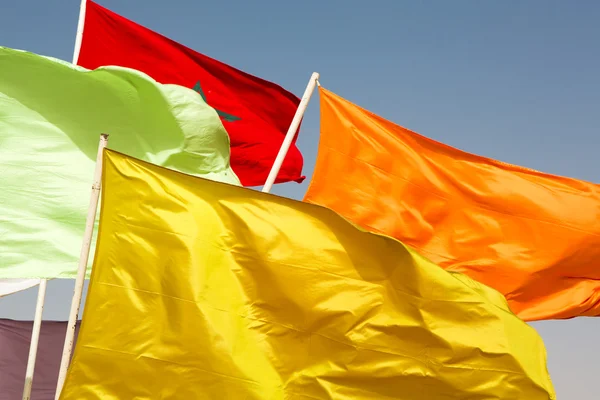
point(226, 116)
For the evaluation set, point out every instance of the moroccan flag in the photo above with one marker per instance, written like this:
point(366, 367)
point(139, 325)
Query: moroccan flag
point(256, 113)
point(202, 290)
point(532, 236)
point(51, 116)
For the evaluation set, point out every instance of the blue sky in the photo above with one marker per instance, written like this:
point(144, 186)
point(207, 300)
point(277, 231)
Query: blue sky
point(514, 80)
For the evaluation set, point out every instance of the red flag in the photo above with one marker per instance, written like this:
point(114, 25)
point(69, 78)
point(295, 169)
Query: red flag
point(256, 113)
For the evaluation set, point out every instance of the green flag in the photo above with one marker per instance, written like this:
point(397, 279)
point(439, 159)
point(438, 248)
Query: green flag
point(51, 116)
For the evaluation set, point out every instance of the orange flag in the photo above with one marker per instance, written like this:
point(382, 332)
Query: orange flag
point(534, 237)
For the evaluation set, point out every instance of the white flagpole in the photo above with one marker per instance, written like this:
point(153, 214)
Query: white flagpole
point(81, 268)
point(35, 338)
point(289, 137)
point(79, 35)
point(39, 309)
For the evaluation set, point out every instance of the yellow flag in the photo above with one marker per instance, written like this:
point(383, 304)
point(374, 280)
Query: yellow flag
point(203, 290)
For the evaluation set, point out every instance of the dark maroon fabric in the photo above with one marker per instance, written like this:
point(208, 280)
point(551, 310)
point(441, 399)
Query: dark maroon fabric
point(15, 337)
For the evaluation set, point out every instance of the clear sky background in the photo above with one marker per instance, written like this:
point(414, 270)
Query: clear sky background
point(515, 80)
